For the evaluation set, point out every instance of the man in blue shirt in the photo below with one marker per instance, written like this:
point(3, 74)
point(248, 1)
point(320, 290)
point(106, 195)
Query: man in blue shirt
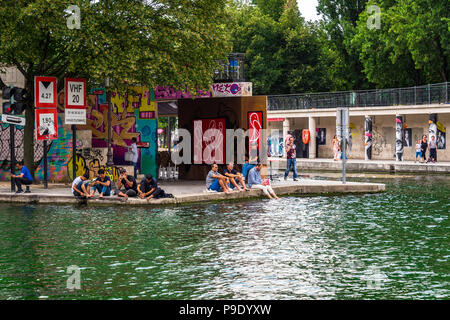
point(255, 182)
point(23, 178)
point(102, 184)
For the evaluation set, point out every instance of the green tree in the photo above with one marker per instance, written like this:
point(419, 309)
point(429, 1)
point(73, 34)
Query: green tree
point(158, 42)
point(272, 8)
point(259, 37)
point(424, 26)
point(410, 48)
point(286, 55)
point(341, 18)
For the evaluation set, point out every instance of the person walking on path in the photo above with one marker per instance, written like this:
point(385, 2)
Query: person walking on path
point(335, 146)
point(418, 150)
point(291, 158)
point(424, 147)
point(23, 178)
point(255, 182)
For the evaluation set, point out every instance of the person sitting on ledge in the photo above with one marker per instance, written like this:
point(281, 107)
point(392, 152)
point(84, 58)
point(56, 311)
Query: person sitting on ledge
point(102, 184)
point(233, 175)
point(146, 189)
point(129, 183)
point(23, 178)
point(255, 182)
point(217, 182)
point(80, 186)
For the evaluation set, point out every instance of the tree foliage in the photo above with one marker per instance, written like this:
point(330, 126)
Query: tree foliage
point(151, 42)
point(282, 55)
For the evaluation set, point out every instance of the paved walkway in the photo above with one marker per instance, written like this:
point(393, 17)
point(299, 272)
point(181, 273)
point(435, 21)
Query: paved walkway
point(359, 165)
point(187, 192)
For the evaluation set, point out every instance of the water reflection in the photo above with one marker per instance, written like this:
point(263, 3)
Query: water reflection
point(390, 245)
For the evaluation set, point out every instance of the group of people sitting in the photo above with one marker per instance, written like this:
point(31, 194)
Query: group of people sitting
point(126, 186)
point(231, 178)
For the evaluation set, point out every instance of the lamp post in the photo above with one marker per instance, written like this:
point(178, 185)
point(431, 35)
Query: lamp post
point(109, 155)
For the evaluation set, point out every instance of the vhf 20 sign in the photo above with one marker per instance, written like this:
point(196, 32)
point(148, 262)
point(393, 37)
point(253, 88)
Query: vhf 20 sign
point(75, 101)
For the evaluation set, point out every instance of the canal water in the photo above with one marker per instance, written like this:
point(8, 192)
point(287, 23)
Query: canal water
point(393, 245)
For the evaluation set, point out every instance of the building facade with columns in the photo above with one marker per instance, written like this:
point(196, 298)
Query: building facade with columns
point(384, 124)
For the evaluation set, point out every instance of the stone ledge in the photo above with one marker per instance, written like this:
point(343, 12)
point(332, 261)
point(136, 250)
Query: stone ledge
point(324, 188)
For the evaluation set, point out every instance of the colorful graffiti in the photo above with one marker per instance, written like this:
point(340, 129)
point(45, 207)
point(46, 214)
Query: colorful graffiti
point(133, 116)
point(57, 156)
point(399, 138)
point(368, 138)
point(234, 89)
point(169, 92)
point(91, 167)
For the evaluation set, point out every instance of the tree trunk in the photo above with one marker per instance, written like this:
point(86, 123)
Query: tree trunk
point(28, 136)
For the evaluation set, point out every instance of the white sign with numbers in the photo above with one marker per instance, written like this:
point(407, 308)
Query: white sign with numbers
point(75, 116)
point(75, 93)
point(45, 92)
point(46, 124)
point(75, 101)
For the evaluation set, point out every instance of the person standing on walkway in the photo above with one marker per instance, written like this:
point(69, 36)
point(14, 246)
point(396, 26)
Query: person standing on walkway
point(291, 158)
point(134, 150)
point(23, 178)
point(255, 182)
point(433, 147)
point(335, 146)
point(418, 150)
point(424, 145)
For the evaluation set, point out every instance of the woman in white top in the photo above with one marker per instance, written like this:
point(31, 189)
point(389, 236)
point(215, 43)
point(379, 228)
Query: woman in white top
point(134, 150)
point(335, 145)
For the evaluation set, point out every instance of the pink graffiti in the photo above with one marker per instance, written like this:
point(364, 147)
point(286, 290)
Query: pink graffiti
point(168, 92)
point(213, 137)
point(198, 137)
point(231, 88)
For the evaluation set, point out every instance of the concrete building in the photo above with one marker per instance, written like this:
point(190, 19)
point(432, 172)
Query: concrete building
point(420, 110)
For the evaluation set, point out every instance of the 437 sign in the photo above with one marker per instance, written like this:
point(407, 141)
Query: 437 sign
point(45, 92)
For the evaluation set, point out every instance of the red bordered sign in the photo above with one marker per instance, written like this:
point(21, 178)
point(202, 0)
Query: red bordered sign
point(45, 92)
point(46, 124)
point(75, 93)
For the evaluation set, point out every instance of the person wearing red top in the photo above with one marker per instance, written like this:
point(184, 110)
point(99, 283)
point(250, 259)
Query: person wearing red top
point(291, 158)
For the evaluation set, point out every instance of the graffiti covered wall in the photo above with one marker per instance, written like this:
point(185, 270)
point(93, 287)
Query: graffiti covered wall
point(133, 116)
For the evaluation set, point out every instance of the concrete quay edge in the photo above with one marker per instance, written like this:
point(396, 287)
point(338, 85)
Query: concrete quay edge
point(311, 189)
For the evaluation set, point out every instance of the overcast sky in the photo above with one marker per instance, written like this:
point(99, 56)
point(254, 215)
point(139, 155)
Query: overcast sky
point(308, 9)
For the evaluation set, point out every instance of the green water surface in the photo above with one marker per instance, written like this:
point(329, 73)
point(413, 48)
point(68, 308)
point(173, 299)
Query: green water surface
point(393, 245)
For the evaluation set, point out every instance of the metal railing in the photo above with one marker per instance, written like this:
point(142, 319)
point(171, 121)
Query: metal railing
point(428, 94)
